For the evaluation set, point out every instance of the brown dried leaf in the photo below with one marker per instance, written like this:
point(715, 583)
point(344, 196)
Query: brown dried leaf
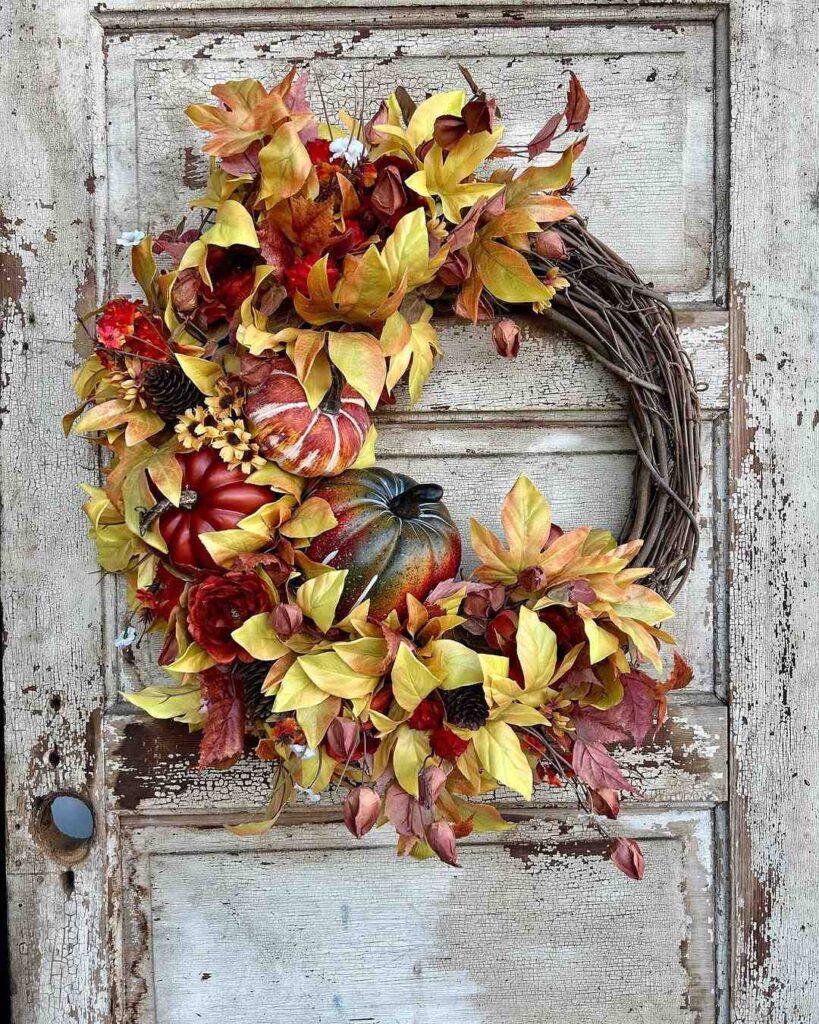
point(223, 738)
point(313, 222)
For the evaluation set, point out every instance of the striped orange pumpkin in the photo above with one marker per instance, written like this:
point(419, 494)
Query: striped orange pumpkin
point(308, 442)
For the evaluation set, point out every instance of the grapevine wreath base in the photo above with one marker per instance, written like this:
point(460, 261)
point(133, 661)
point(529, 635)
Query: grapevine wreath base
point(310, 602)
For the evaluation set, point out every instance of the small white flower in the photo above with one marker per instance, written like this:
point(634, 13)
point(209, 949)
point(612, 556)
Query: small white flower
point(351, 149)
point(309, 796)
point(128, 239)
point(303, 752)
point(126, 638)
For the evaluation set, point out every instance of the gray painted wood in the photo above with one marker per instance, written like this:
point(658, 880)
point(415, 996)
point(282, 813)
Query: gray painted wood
point(95, 117)
point(775, 471)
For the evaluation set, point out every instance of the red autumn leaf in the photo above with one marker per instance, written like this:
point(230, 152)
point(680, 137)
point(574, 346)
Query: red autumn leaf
point(635, 712)
point(681, 676)
point(541, 142)
point(430, 783)
point(275, 249)
point(223, 738)
point(595, 726)
point(627, 856)
point(596, 767)
point(577, 104)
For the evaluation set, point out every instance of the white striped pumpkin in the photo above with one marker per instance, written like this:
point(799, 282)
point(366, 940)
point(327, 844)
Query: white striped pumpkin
point(304, 441)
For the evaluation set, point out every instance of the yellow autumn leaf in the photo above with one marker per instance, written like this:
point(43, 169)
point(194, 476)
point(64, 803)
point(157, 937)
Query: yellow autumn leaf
point(411, 681)
point(445, 178)
point(640, 637)
point(411, 750)
point(315, 721)
point(453, 664)
point(285, 164)
point(311, 518)
point(418, 351)
point(527, 520)
point(499, 751)
point(366, 457)
point(507, 274)
point(233, 226)
point(537, 649)
point(318, 598)
point(644, 605)
point(259, 639)
point(203, 372)
point(484, 817)
point(224, 546)
point(365, 655)
point(519, 715)
point(167, 701)
point(406, 252)
point(359, 358)
point(102, 417)
point(193, 659)
point(601, 642)
point(277, 479)
point(297, 690)
point(330, 674)
point(541, 179)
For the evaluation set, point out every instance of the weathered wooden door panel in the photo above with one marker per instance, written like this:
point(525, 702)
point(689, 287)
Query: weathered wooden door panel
point(170, 919)
point(535, 918)
point(213, 923)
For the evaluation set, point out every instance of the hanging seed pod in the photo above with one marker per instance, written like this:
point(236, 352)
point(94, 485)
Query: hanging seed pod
point(466, 707)
point(168, 390)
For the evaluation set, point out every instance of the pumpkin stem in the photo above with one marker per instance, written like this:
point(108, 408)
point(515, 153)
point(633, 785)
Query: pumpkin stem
point(331, 403)
point(407, 504)
point(187, 500)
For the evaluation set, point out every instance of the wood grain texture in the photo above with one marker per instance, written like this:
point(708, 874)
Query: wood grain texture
point(775, 467)
point(50, 591)
point(526, 932)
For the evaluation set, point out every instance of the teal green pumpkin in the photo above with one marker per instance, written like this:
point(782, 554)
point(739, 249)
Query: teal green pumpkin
point(394, 537)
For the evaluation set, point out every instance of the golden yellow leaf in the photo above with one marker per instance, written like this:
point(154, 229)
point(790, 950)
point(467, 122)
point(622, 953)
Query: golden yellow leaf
point(203, 372)
point(359, 358)
point(224, 546)
point(315, 721)
point(311, 518)
point(453, 664)
point(167, 701)
point(499, 751)
point(507, 274)
point(297, 690)
point(318, 598)
point(193, 659)
point(411, 750)
point(259, 639)
point(411, 681)
point(285, 164)
point(601, 642)
point(330, 674)
point(536, 648)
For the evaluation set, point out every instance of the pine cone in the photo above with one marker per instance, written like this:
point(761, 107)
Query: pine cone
point(168, 390)
point(466, 707)
point(252, 674)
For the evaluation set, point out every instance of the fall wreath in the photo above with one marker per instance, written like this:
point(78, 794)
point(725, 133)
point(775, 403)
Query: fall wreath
point(309, 600)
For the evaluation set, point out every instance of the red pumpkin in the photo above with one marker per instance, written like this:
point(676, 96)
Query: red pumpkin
point(395, 538)
point(213, 498)
point(308, 442)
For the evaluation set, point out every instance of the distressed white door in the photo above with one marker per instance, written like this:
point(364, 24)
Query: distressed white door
point(163, 916)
